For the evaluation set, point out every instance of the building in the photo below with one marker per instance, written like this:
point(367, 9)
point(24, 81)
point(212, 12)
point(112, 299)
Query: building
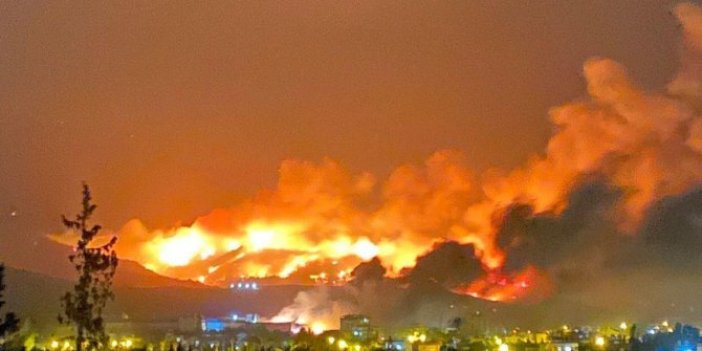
point(682, 338)
point(687, 337)
point(237, 320)
point(356, 326)
point(565, 346)
point(285, 327)
point(429, 347)
point(190, 324)
point(247, 318)
point(213, 325)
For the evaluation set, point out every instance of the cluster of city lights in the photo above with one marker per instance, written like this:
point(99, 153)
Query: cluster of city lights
point(343, 344)
point(412, 338)
point(66, 345)
point(501, 346)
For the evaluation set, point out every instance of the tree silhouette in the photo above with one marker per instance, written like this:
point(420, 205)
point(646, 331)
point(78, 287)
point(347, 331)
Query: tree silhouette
point(10, 323)
point(96, 265)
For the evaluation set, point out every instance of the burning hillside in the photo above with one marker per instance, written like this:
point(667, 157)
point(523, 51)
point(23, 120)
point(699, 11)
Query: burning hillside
point(322, 220)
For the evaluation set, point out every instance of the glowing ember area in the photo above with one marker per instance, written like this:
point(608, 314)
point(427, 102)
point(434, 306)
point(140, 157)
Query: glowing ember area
point(317, 225)
point(322, 220)
point(317, 328)
point(529, 284)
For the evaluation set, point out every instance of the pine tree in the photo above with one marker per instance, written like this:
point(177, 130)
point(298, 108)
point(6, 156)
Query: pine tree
point(96, 266)
point(9, 323)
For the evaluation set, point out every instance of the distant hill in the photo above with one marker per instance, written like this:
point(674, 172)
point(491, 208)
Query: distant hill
point(144, 298)
point(140, 293)
point(34, 295)
point(54, 262)
point(132, 274)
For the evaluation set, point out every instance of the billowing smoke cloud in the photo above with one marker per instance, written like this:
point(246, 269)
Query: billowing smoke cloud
point(321, 220)
point(610, 216)
point(614, 189)
point(412, 299)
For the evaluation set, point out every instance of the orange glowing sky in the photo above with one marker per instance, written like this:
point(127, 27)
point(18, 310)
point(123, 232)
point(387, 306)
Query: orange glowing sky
point(171, 110)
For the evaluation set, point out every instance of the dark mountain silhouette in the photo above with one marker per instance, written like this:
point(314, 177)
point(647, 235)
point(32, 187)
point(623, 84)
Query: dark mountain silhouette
point(144, 297)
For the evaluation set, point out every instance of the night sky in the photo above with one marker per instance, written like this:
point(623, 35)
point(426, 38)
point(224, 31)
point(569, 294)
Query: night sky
point(169, 110)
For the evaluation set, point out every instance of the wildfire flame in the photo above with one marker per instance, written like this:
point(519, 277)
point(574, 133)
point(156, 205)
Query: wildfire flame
point(496, 286)
point(322, 220)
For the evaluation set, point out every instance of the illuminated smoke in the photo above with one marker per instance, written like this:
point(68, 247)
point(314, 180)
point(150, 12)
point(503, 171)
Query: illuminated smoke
point(315, 308)
point(322, 220)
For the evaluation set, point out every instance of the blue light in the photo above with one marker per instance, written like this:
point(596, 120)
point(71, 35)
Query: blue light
point(396, 345)
point(214, 325)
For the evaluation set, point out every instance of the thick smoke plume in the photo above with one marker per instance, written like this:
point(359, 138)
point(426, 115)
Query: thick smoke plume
point(615, 188)
point(609, 216)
